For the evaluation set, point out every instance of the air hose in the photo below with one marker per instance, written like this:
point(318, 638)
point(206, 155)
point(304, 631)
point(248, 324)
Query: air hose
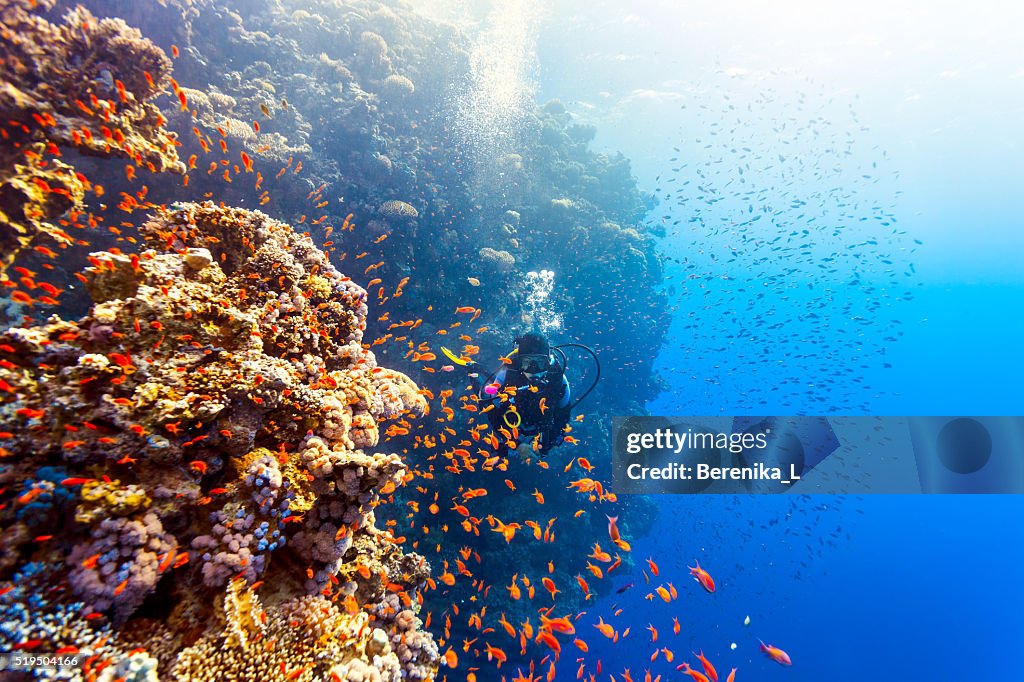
point(597, 363)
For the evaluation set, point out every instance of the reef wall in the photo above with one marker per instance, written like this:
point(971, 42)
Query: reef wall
point(225, 369)
point(83, 84)
point(363, 97)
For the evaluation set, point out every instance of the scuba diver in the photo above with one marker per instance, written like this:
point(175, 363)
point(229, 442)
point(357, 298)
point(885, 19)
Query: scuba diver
point(529, 399)
point(538, 403)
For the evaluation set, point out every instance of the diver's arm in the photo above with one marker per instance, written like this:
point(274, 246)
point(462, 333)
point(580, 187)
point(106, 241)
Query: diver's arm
point(499, 378)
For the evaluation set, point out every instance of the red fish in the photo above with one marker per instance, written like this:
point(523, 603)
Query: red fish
point(709, 669)
point(562, 624)
point(699, 677)
point(548, 640)
point(494, 653)
point(776, 654)
point(613, 528)
point(703, 577)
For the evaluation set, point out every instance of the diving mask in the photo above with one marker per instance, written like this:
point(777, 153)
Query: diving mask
point(534, 363)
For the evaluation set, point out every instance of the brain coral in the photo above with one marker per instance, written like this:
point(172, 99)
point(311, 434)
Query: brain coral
point(502, 261)
point(398, 86)
point(398, 209)
point(215, 409)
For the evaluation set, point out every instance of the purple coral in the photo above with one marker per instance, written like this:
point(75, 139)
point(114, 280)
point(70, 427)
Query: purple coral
point(233, 547)
point(120, 564)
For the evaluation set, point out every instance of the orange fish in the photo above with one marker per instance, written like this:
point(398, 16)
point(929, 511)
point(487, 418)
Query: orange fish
point(699, 677)
point(494, 653)
point(562, 624)
point(549, 641)
point(776, 654)
point(513, 589)
point(508, 626)
point(613, 528)
point(709, 669)
point(604, 628)
point(22, 297)
point(600, 555)
point(703, 577)
point(732, 676)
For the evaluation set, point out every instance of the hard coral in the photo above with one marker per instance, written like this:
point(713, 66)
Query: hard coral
point(120, 564)
point(220, 376)
point(303, 639)
point(81, 84)
point(398, 209)
point(501, 261)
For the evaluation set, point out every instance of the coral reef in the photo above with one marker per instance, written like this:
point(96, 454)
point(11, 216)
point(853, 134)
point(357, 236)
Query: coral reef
point(83, 85)
point(398, 209)
point(220, 376)
point(297, 640)
point(501, 261)
point(227, 368)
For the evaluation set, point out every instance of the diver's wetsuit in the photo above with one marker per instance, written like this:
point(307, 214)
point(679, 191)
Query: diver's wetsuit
point(549, 423)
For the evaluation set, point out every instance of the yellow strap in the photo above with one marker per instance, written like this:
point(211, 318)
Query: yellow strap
point(518, 419)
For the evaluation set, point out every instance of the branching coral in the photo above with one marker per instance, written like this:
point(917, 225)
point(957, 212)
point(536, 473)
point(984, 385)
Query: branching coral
point(300, 640)
point(221, 377)
point(85, 83)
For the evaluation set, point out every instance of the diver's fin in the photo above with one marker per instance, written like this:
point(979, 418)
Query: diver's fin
point(455, 358)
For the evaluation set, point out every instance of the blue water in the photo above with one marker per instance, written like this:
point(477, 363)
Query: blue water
point(912, 588)
point(924, 588)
